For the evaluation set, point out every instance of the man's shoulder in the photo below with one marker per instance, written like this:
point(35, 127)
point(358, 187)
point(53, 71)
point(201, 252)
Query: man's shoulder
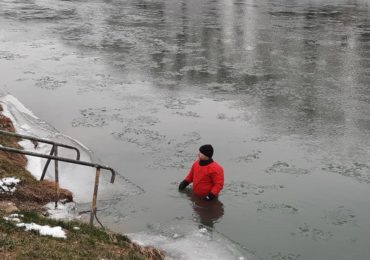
point(196, 162)
point(215, 165)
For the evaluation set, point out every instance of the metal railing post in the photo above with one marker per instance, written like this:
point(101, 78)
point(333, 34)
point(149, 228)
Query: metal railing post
point(54, 144)
point(56, 177)
point(95, 195)
point(47, 164)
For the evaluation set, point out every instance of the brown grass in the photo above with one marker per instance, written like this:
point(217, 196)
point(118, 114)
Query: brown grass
point(41, 192)
point(33, 196)
point(7, 125)
point(87, 242)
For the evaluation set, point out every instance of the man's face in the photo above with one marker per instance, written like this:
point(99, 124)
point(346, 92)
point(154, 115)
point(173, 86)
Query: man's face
point(202, 157)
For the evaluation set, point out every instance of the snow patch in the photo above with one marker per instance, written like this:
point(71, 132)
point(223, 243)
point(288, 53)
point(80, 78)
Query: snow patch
point(44, 230)
point(66, 211)
point(16, 215)
point(14, 219)
point(8, 184)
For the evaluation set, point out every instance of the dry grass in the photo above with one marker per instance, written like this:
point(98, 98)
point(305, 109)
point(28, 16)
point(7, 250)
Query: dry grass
point(86, 242)
point(32, 196)
point(41, 192)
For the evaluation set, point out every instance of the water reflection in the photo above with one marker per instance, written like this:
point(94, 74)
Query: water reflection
point(208, 212)
point(298, 69)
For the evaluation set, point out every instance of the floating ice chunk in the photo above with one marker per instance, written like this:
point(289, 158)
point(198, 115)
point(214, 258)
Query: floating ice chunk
point(44, 230)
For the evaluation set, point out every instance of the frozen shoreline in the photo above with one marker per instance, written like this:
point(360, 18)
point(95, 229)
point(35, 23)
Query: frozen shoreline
point(190, 243)
point(79, 180)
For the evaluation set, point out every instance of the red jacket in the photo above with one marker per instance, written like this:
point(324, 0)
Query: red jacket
point(206, 179)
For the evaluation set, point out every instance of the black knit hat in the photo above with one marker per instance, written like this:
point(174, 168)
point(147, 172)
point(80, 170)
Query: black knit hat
point(207, 150)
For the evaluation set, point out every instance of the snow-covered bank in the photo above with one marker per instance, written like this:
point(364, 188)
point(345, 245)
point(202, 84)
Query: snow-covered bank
point(8, 184)
point(76, 178)
point(44, 230)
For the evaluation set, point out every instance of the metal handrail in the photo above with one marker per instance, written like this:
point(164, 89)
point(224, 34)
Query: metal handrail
point(62, 159)
point(54, 149)
point(43, 141)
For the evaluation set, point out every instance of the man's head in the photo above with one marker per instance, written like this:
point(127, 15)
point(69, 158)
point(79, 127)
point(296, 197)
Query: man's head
point(207, 152)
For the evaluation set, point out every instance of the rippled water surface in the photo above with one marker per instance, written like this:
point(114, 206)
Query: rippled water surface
point(280, 88)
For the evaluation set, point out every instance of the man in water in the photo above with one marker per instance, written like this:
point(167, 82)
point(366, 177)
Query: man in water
point(207, 175)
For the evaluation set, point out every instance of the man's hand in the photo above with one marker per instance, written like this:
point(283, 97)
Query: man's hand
point(210, 196)
point(183, 185)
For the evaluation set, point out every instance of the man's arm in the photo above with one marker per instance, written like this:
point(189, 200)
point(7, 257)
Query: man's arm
point(188, 179)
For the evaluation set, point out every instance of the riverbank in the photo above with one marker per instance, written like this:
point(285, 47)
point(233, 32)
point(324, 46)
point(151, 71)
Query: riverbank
point(27, 232)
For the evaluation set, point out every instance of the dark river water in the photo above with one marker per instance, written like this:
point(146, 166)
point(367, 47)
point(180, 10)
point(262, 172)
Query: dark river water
point(279, 88)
